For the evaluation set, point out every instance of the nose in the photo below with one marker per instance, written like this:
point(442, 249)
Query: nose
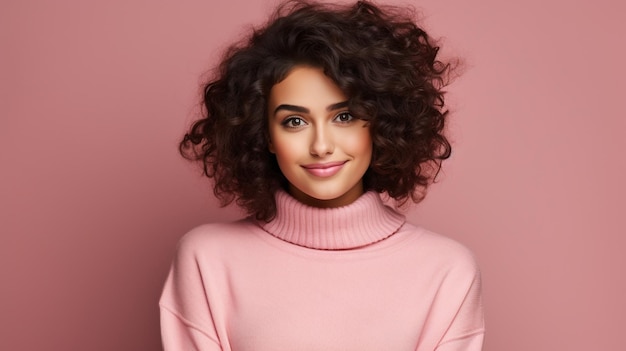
point(322, 143)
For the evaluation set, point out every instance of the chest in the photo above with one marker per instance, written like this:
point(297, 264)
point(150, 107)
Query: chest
point(323, 305)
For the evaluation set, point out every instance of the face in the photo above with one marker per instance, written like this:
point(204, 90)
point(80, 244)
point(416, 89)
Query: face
point(322, 149)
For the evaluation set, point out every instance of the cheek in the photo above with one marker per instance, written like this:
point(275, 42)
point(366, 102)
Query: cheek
point(284, 149)
point(277, 142)
point(359, 143)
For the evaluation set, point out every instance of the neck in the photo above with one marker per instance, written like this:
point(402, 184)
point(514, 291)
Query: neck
point(360, 223)
point(343, 200)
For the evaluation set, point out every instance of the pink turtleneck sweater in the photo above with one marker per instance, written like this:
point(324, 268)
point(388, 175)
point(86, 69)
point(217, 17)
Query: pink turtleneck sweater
point(351, 278)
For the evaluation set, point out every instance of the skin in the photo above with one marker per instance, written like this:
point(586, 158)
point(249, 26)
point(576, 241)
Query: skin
point(322, 149)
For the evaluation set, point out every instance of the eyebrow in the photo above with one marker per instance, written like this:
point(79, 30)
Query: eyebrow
point(301, 109)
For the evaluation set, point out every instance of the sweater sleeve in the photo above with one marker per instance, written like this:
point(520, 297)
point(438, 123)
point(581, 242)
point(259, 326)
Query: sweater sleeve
point(186, 319)
point(466, 329)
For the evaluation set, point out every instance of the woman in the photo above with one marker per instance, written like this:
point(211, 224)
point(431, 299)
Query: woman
point(307, 123)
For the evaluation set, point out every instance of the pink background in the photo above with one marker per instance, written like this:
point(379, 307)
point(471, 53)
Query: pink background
point(93, 196)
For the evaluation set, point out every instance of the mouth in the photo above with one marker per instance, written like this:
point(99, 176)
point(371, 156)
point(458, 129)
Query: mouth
point(324, 169)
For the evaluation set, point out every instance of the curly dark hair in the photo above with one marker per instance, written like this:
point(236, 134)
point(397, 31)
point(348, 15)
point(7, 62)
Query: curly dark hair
point(381, 60)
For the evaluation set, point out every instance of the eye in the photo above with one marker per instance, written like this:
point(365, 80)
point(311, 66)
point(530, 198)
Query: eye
point(344, 117)
point(293, 122)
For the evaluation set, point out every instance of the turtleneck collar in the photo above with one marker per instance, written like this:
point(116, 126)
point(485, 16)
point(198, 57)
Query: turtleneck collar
point(363, 222)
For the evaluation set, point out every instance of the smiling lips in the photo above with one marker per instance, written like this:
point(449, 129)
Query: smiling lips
point(324, 169)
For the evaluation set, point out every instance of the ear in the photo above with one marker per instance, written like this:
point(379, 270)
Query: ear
point(270, 146)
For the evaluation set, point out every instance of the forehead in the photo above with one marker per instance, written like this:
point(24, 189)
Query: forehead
point(306, 86)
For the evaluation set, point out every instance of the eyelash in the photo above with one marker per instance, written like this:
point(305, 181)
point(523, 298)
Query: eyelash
point(288, 122)
point(337, 118)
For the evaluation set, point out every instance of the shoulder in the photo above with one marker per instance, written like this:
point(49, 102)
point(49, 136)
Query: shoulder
point(216, 231)
point(441, 251)
point(216, 237)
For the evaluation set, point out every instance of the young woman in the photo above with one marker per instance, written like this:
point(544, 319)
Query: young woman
point(307, 123)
